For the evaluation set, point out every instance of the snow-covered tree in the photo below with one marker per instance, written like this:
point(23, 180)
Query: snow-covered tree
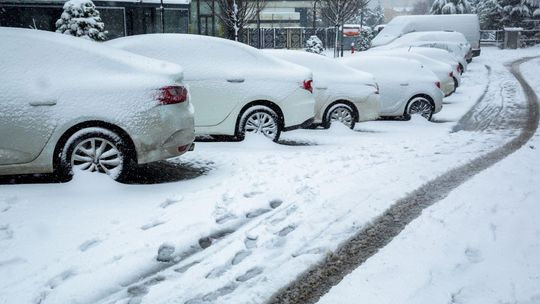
point(515, 12)
point(364, 41)
point(448, 7)
point(374, 16)
point(489, 14)
point(81, 19)
point(314, 45)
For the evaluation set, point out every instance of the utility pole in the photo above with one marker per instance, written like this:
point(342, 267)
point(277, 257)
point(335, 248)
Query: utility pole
point(315, 14)
point(258, 26)
point(214, 18)
point(198, 17)
point(162, 9)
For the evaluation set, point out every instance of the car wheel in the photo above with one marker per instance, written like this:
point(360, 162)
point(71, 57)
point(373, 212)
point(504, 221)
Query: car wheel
point(95, 150)
point(260, 120)
point(420, 106)
point(340, 113)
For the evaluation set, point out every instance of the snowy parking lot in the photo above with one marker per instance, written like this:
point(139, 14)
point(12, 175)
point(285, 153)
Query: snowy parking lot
point(234, 222)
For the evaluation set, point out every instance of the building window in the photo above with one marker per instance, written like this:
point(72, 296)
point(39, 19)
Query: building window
point(114, 19)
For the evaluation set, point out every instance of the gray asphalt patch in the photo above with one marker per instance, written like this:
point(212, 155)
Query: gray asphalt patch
point(311, 285)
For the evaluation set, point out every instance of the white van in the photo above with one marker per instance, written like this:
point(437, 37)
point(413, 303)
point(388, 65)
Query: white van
point(466, 24)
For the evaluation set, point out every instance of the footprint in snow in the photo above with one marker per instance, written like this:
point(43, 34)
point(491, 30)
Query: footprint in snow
point(89, 244)
point(473, 255)
point(152, 225)
point(6, 233)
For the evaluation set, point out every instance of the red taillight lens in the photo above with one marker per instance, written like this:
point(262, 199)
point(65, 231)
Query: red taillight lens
point(459, 69)
point(308, 85)
point(172, 95)
point(438, 84)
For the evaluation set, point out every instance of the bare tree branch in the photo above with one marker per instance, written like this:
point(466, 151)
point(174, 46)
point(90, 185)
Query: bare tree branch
point(247, 10)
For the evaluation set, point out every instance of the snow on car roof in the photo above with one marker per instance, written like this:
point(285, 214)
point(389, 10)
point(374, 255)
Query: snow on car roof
point(202, 56)
point(125, 59)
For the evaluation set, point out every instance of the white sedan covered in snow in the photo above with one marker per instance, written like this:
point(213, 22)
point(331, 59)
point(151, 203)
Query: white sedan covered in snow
point(451, 41)
point(342, 93)
point(70, 103)
point(443, 70)
point(235, 88)
point(406, 86)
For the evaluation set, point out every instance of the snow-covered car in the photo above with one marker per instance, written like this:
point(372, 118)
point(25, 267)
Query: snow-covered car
point(466, 24)
point(235, 88)
point(341, 93)
point(69, 103)
point(451, 41)
point(443, 70)
point(406, 86)
point(444, 56)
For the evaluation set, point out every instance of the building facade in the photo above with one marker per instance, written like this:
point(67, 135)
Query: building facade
point(121, 18)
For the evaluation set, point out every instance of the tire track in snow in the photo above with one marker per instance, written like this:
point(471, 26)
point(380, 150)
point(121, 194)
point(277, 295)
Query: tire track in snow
point(310, 286)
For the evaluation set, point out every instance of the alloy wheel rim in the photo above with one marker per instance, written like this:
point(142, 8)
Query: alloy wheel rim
point(342, 115)
point(97, 155)
point(263, 123)
point(422, 107)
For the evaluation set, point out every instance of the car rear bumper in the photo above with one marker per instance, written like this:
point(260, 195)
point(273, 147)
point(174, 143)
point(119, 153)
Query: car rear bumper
point(297, 108)
point(173, 136)
point(448, 87)
point(369, 109)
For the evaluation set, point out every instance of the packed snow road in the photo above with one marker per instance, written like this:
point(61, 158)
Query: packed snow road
point(235, 222)
point(479, 245)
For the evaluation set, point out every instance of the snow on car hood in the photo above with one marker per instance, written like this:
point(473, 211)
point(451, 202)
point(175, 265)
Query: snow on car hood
point(204, 57)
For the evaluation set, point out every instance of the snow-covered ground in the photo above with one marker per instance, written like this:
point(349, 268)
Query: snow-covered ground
point(479, 245)
point(244, 219)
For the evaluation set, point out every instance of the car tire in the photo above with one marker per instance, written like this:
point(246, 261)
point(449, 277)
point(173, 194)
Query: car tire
point(419, 105)
point(95, 150)
point(260, 120)
point(340, 112)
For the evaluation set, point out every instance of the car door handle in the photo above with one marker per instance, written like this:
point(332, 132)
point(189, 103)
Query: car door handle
point(403, 84)
point(321, 88)
point(236, 80)
point(44, 103)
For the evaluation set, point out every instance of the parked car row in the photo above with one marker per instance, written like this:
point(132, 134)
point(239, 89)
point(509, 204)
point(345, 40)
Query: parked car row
point(68, 103)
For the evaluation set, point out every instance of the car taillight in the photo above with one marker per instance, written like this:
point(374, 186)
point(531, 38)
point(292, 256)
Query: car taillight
point(172, 95)
point(308, 85)
point(438, 84)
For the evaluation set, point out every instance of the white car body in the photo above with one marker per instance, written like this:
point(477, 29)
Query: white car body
point(400, 80)
point(226, 78)
point(335, 83)
point(444, 56)
point(55, 85)
point(453, 48)
point(443, 70)
point(451, 41)
point(466, 24)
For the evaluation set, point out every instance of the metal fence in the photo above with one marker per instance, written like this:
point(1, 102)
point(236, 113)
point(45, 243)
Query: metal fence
point(496, 37)
point(286, 38)
point(491, 37)
point(529, 37)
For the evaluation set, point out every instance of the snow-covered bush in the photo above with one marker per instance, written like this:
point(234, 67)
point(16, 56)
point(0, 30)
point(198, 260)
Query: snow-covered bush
point(314, 45)
point(448, 7)
point(364, 41)
point(81, 19)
